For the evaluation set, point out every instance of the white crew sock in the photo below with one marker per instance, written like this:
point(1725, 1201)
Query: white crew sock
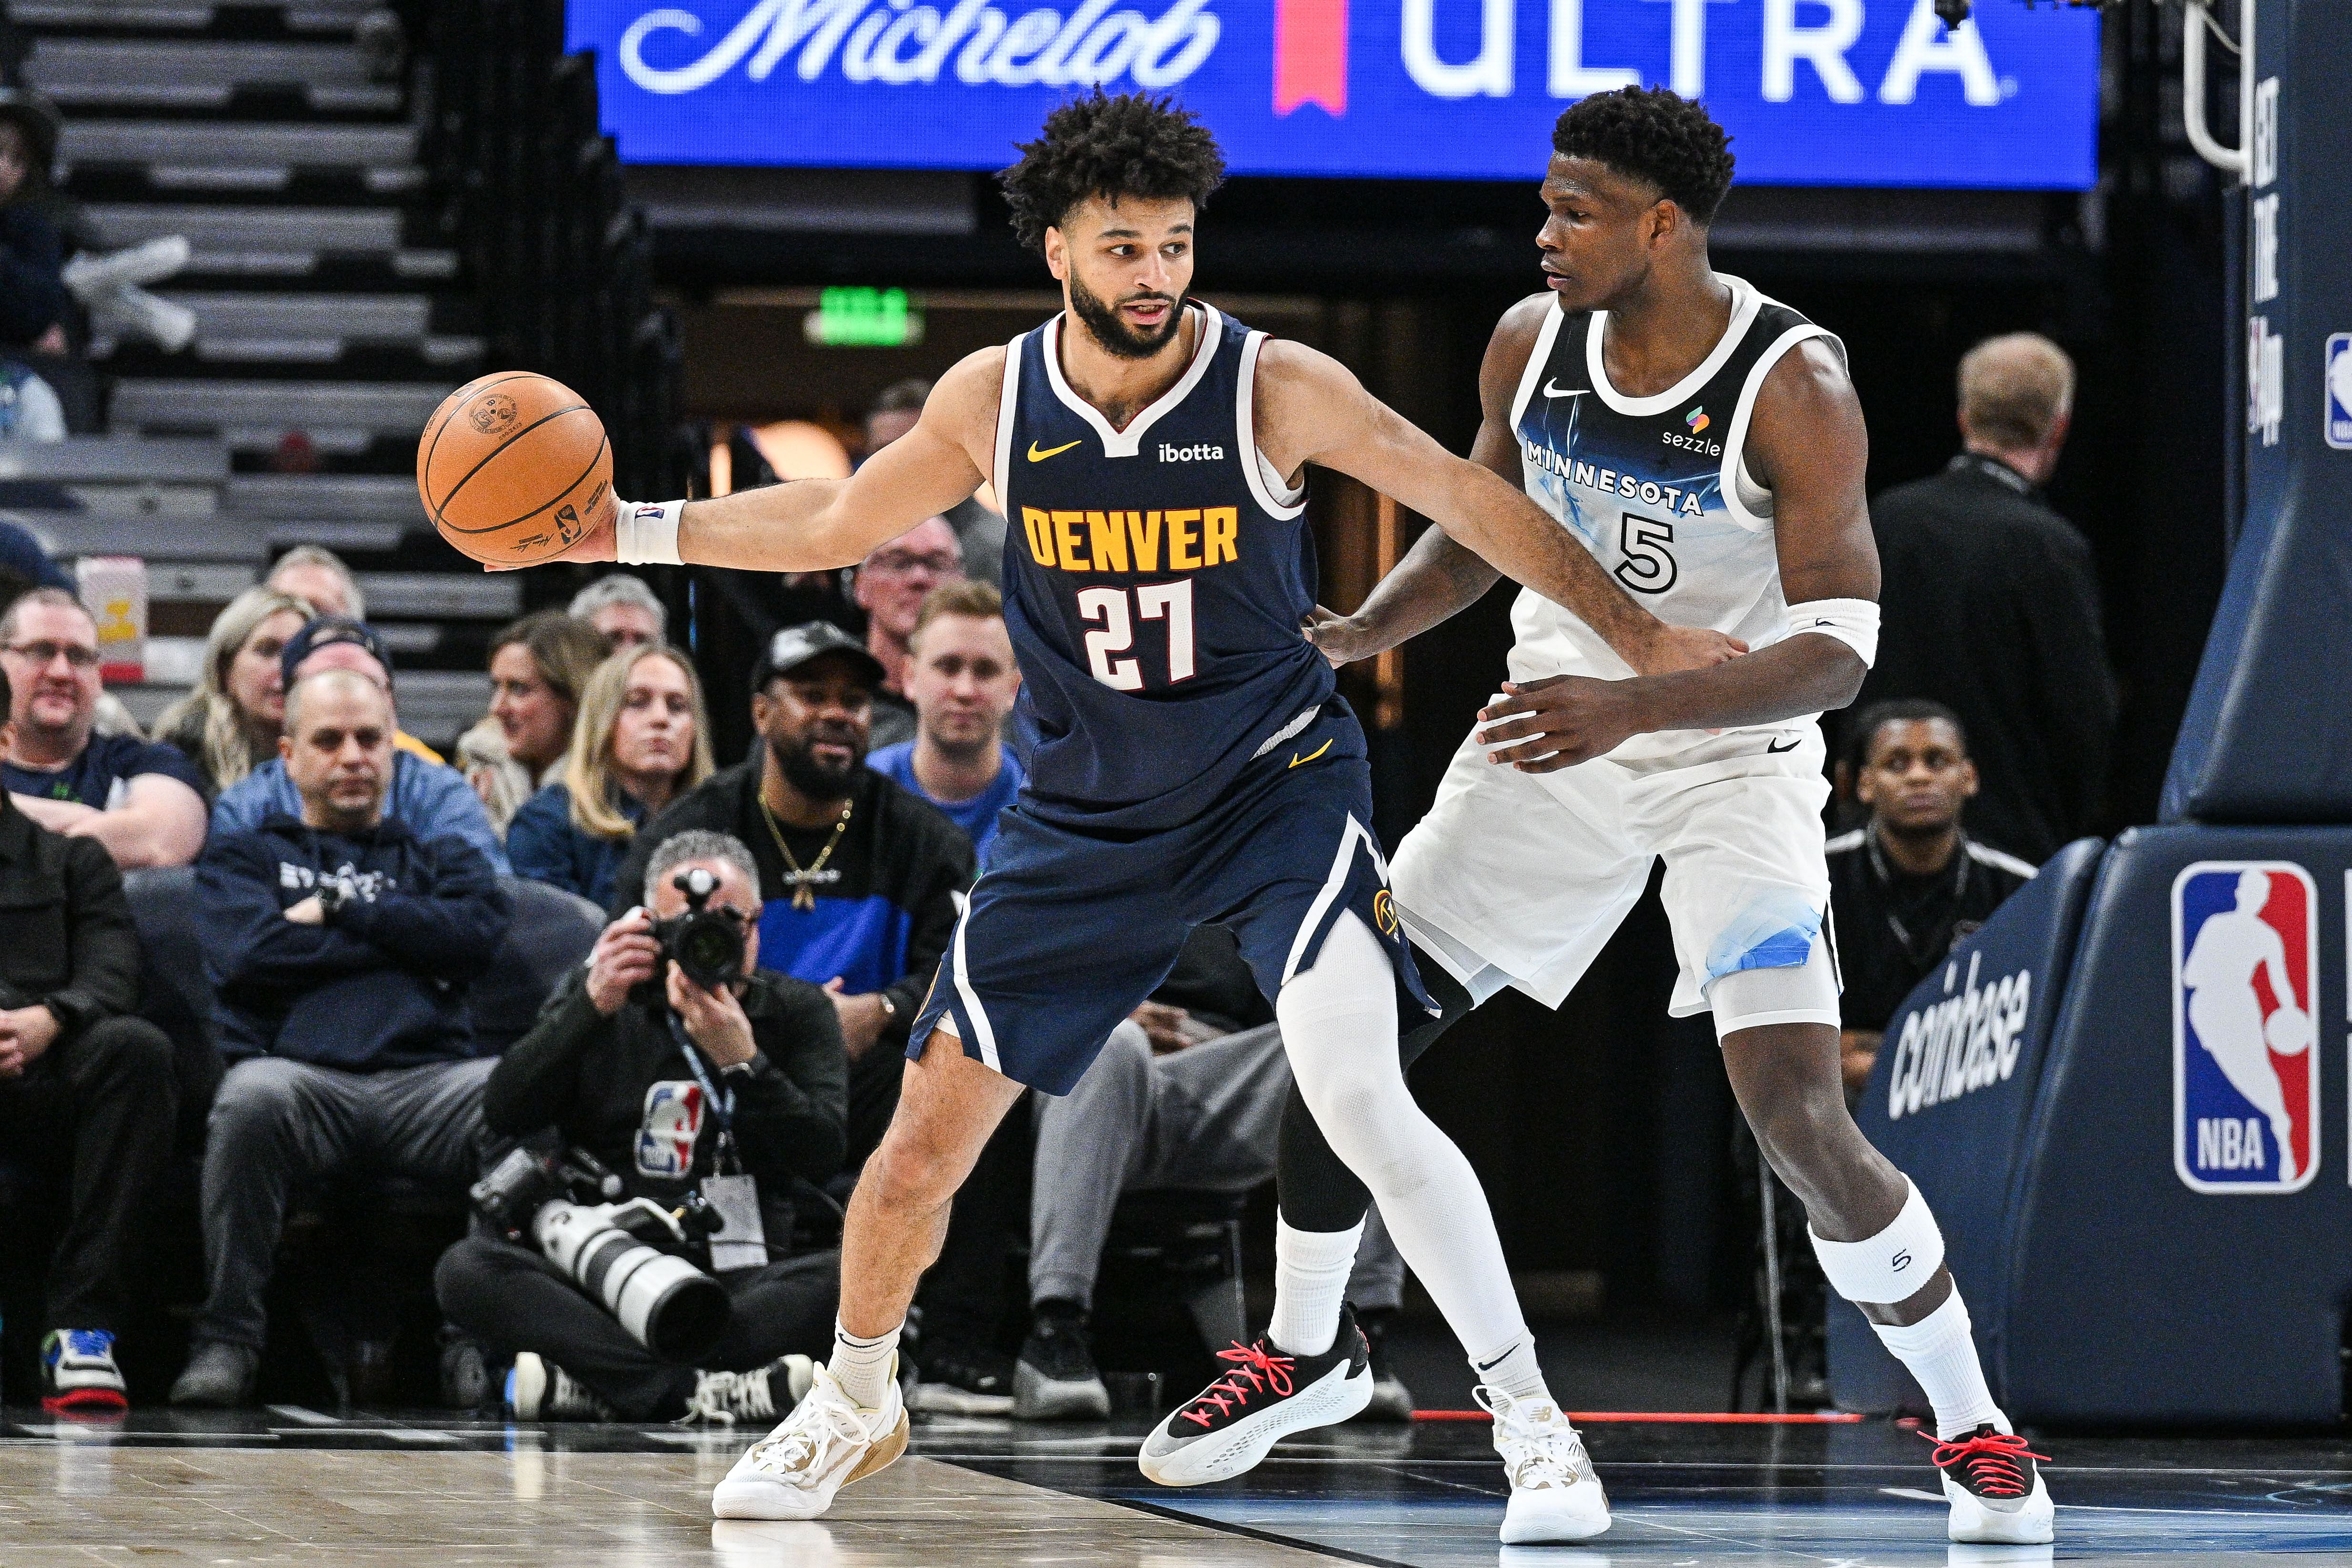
point(1942, 1354)
point(864, 1368)
point(1339, 1027)
point(1513, 1369)
point(1310, 1279)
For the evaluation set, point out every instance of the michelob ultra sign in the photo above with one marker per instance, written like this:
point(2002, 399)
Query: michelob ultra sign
point(1814, 92)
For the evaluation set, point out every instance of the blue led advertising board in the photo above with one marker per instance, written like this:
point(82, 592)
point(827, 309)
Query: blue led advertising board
point(1814, 92)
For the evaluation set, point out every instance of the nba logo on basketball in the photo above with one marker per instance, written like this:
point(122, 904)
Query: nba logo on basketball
point(2245, 1075)
point(672, 1123)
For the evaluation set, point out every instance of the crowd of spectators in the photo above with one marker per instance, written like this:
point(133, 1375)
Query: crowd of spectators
point(351, 887)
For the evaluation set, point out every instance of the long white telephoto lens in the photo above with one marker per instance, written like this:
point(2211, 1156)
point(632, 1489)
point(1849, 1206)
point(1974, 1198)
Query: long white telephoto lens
point(669, 1305)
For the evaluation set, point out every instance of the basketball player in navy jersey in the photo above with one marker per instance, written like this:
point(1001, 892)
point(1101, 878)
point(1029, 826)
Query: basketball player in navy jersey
point(1194, 765)
point(1705, 444)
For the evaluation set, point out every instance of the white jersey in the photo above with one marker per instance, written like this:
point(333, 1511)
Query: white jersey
point(1655, 488)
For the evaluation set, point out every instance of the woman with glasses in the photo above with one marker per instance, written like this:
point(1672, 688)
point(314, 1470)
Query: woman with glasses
point(228, 726)
point(642, 740)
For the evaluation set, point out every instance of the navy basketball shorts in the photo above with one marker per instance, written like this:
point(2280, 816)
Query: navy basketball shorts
point(1067, 931)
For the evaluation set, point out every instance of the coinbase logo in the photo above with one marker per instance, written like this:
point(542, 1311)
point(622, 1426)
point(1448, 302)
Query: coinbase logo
point(2245, 1079)
point(896, 44)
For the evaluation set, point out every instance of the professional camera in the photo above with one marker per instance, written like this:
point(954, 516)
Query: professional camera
point(623, 1255)
point(707, 942)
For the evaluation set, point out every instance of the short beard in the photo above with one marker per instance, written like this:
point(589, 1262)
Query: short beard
point(1113, 333)
point(813, 778)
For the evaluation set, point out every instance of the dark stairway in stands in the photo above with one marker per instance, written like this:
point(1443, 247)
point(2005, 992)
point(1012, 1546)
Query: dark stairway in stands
point(372, 225)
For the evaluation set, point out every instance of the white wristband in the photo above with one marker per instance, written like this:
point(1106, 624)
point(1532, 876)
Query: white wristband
point(645, 533)
point(1853, 622)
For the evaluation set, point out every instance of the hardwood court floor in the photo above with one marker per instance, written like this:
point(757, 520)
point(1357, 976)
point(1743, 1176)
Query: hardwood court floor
point(290, 1486)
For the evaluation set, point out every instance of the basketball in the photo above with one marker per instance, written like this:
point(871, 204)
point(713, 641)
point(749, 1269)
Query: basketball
point(513, 467)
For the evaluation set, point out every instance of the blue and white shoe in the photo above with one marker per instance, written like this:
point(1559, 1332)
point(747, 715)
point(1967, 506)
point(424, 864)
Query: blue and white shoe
point(78, 1373)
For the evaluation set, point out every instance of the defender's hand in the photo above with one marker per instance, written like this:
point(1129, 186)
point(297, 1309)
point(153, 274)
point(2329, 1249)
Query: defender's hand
point(625, 957)
point(1672, 648)
point(1338, 637)
point(1542, 726)
point(714, 1020)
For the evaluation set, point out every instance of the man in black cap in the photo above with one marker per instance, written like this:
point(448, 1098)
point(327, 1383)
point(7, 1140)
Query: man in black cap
point(858, 878)
point(35, 311)
point(432, 798)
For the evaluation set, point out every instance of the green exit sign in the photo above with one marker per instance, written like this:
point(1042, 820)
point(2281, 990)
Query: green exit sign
point(863, 319)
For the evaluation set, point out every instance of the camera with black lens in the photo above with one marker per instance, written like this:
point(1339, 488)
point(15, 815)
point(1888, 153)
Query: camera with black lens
point(706, 942)
point(623, 1256)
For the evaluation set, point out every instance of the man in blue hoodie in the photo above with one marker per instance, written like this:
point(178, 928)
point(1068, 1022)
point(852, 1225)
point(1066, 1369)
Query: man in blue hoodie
point(340, 946)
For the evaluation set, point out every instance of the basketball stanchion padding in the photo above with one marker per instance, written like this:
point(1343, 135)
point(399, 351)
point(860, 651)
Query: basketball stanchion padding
point(514, 467)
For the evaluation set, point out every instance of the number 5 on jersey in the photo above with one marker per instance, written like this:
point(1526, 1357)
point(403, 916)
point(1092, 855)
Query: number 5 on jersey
point(1109, 607)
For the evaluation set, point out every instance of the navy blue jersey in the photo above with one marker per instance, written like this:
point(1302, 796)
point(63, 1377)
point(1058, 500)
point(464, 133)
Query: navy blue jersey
point(1155, 579)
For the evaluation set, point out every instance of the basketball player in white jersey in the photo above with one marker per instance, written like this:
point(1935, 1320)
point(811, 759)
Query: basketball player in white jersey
point(1704, 444)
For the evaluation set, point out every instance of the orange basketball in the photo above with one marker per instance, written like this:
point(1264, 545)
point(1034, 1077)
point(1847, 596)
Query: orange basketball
point(513, 467)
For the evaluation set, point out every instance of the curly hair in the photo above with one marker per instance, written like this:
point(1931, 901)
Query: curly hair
point(1655, 135)
point(1131, 145)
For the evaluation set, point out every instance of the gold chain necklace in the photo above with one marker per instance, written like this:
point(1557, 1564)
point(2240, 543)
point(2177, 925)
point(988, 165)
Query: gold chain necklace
point(801, 882)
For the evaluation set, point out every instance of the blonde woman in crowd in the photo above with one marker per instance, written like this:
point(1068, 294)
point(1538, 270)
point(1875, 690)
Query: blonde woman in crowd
point(538, 666)
point(228, 726)
point(642, 740)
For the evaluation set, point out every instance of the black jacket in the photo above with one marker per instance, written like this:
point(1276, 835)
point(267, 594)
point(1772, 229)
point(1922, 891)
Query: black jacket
point(33, 295)
point(1989, 606)
point(596, 1080)
point(65, 933)
point(1892, 928)
point(893, 878)
point(383, 983)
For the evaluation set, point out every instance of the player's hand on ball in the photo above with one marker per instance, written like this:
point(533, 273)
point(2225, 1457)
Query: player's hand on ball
point(1672, 648)
point(625, 957)
point(595, 545)
point(714, 1020)
point(1338, 637)
point(1542, 726)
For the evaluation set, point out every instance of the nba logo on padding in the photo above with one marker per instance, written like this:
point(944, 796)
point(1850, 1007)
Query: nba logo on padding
point(2245, 1075)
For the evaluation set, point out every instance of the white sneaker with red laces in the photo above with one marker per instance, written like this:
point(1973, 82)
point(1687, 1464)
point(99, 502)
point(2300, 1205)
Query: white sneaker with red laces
point(1555, 1495)
point(1262, 1397)
point(1996, 1490)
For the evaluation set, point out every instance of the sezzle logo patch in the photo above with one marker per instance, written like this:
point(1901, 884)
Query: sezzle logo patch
point(2245, 1079)
point(668, 1131)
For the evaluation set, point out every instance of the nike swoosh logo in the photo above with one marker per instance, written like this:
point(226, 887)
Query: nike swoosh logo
point(1774, 746)
point(1299, 762)
point(1490, 1365)
point(1037, 456)
point(1552, 389)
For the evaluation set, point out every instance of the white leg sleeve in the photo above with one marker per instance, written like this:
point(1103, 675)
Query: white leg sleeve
point(1340, 1025)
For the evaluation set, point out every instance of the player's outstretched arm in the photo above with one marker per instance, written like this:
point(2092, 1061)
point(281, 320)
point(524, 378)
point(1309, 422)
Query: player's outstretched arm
point(813, 525)
point(1809, 445)
point(1311, 409)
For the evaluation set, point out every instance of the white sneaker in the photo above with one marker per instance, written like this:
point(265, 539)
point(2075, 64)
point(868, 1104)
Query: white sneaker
point(1996, 1490)
point(1555, 1495)
point(538, 1390)
point(759, 1395)
point(828, 1442)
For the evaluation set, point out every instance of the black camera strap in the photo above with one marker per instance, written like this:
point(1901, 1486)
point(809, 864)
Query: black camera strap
point(722, 1101)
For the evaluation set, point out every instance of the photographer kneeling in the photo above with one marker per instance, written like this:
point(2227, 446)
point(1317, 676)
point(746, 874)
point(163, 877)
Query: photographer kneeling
point(758, 1099)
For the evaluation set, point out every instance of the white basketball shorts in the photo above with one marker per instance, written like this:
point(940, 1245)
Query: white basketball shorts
point(1520, 879)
